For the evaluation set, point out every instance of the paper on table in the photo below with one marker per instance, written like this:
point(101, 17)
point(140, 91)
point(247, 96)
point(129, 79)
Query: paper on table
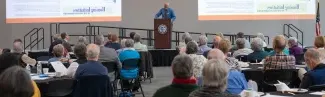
point(38, 78)
point(275, 96)
point(282, 86)
point(59, 67)
point(317, 93)
point(244, 68)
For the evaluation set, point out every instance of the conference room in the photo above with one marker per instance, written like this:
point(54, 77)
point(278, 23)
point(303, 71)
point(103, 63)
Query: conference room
point(162, 48)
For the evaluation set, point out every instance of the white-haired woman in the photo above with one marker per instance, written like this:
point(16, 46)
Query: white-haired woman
point(261, 36)
point(215, 76)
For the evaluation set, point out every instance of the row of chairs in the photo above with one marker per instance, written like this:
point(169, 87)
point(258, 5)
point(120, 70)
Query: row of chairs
point(88, 85)
point(244, 58)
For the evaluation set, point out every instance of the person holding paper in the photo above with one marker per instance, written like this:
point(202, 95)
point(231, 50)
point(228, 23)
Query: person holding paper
point(166, 13)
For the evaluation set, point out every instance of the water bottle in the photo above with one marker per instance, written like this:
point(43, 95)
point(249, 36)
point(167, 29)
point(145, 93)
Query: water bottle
point(39, 68)
point(252, 85)
point(28, 68)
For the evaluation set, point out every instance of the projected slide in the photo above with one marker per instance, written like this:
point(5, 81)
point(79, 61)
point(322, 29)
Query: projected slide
point(42, 11)
point(256, 9)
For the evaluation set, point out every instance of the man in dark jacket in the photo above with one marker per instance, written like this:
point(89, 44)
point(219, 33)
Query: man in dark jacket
point(316, 75)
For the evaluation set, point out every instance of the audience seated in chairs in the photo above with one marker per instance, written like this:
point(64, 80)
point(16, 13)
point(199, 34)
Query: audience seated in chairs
point(240, 43)
point(216, 42)
point(241, 35)
point(279, 60)
point(138, 45)
point(58, 52)
point(215, 75)
point(294, 49)
point(316, 75)
point(24, 59)
point(8, 60)
point(92, 66)
point(225, 47)
point(203, 44)
point(106, 54)
point(80, 51)
point(183, 83)
point(15, 82)
point(259, 54)
point(113, 43)
point(236, 80)
point(198, 60)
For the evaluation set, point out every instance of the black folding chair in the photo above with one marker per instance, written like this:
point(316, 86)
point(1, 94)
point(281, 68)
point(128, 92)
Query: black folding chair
point(112, 68)
point(317, 88)
point(43, 58)
point(242, 58)
point(272, 77)
point(134, 81)
point(93, 86)
point(59, 88)
point(300, 59)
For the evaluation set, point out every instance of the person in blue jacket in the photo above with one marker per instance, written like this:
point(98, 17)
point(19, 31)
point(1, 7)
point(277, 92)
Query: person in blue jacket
point(166, 13)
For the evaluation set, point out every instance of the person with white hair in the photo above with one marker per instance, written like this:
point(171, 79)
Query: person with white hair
point(82, 40)
point(242, 50)
point(93, 67)
point(215, 80)
point(128, 52)
point(259, 54)
point(106, 54)
point(183, 82)
point(138, 45)
point(236, 80)
point(315, 76)
point(203, 44)
point(24, 58)
point(294, 49)
point(261, 36)
point(198, 60)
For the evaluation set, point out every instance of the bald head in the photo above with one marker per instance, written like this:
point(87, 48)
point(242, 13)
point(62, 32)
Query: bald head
point(216, 54)
point(313, 57)
point(93, 52)
point(216, 41)
point(166, 5)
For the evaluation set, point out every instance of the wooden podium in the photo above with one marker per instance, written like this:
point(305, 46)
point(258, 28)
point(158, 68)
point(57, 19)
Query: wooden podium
point(163, 32)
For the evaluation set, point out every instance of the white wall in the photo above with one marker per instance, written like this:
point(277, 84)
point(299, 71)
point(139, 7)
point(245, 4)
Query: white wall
point(139, 14)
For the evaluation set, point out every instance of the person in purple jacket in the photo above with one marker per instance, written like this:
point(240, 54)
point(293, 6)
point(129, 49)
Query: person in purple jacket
point(294, 49)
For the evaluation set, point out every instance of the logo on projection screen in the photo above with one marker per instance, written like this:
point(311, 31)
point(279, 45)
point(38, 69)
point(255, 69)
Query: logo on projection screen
point(162, 29)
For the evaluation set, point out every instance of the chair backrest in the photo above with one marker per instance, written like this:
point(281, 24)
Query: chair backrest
point(317, 88)
point(111, 66)
point(43, 58)
point(300, 59)
point(273, 76)
point(60, 87)
point(93, 86)
point(242, 58)
point(130, 64)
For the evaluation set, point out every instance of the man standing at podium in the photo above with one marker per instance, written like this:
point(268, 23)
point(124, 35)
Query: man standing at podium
point(166, 13)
